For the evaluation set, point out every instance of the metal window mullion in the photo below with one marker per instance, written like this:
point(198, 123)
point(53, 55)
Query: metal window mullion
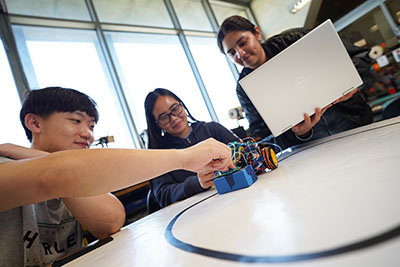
point(252, 17)
point(25, 58)
point(190, 58)
point(355, 14)
point(114, 76)
point(14, 60)
point(389, 19)
point(214, 24)
point(210, 14)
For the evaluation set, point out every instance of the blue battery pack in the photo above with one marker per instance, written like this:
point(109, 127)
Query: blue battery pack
point(234, 181)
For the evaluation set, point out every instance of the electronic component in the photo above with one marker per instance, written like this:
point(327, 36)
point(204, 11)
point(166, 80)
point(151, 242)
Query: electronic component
point(236, 180)
point(103, 141)
point(250, 159)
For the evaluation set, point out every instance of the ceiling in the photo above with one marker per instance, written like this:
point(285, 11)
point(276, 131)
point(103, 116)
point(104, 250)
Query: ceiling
point(336, 9)
point(239, 2)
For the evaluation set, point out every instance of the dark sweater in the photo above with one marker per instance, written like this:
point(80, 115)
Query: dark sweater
point(181, 184)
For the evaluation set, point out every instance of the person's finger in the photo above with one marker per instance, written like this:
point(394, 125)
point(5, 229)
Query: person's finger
point(231, 165)
point(346, 96)
point(340, 99)
point(306, 115)
point(325, 109)
point(209, 176)
point(209, 179)
point(226, 152)
point(222, 165)
point(350, 94)
point(205, 179)
point(307, 118)
point(208, 184)
point(223, 168)
point(317, 115)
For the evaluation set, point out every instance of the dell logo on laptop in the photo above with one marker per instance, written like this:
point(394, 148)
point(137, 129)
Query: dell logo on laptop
point(300, 82)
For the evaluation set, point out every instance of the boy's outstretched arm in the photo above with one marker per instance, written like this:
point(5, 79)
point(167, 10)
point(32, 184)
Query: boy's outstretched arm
point(83, 173)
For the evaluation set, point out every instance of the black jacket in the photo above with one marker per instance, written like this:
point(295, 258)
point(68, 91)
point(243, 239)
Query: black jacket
point(181, 184)
point(354, 109)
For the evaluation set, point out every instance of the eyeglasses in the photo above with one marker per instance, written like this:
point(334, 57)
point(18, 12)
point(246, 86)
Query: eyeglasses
point(166, 118)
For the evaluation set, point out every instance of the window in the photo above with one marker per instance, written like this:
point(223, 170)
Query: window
point(394, 9)
point(10, 105)
point(71, 58)
point(371, 29)
point(223, 10)
point(217, 77)
point(191, 15)
point(149, 61)
point(148, 13)
point(145, 51)
point(62, 9)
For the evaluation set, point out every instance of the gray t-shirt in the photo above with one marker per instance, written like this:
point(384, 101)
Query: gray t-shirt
point(38, 234)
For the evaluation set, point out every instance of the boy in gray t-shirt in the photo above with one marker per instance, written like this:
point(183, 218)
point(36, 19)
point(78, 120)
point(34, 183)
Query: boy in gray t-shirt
point(48, 229)
point(42, 199)
point(35, 234)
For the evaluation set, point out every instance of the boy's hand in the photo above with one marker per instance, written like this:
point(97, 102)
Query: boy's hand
point(19, 152)
point(209, 155)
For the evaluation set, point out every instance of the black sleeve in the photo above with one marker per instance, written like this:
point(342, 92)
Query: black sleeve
point(257, 126)
point(175, 186)
point(222, 134)
point(355, 108)
point(360, 58)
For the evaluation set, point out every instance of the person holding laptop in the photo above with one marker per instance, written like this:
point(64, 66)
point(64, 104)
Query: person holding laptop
point(168, 128)
point(49, 191)
point(241, 41)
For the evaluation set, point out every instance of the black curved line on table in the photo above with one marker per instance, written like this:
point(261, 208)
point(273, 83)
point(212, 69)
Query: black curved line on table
point(169, 236)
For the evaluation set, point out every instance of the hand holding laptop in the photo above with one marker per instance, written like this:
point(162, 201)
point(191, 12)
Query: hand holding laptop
point(346, 96)
point(309, 121)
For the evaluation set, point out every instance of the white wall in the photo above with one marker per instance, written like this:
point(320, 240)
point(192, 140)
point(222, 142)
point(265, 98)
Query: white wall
point(274, 16)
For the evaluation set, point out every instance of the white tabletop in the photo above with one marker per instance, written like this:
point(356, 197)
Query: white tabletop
point(334, 202)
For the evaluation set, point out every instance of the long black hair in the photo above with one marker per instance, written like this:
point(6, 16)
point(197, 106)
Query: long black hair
point(153, 130)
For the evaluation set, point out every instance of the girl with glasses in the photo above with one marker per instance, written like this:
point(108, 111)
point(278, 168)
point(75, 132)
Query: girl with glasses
point(168, 127)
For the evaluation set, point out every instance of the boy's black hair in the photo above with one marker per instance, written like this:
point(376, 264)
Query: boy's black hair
point(153, 130)
point(233, 24)
point(44, 102)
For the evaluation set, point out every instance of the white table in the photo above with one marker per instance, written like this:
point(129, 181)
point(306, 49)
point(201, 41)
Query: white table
point(324, 198)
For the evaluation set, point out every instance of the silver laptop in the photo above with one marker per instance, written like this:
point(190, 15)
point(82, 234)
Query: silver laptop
point(312, 72)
